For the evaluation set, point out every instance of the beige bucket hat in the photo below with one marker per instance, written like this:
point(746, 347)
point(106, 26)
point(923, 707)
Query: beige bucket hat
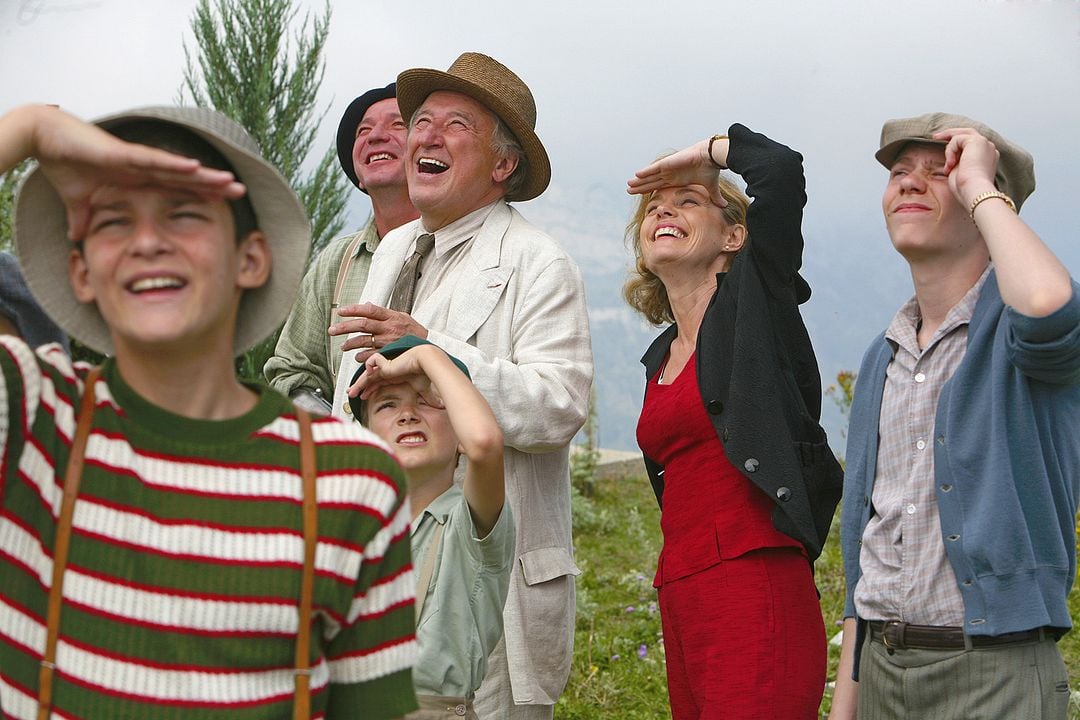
point(43, 247)
point(491, 83)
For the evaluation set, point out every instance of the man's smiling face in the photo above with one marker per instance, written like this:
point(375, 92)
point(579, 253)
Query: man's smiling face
point(379, 149)
point(452, 166)
point(921, 213)
point(165, 268)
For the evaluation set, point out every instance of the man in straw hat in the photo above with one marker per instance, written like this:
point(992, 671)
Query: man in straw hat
point(371, 150)
point(472, 276)
point(156, 552)
point(963, 467)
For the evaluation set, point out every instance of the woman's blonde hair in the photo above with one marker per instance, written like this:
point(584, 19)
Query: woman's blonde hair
point(644, 291)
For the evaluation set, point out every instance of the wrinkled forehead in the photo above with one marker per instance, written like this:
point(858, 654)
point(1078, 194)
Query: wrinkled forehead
point(382, 109)
point(449, 102)
point(122, 197)
point(675, 192)
point(395, 391)
point(921, 153)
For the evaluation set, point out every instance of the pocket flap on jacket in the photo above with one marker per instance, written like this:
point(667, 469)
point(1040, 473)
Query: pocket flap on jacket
point(543, 564)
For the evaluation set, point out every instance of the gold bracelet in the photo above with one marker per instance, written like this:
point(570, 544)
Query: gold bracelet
point(986, 196)
point(713, 139)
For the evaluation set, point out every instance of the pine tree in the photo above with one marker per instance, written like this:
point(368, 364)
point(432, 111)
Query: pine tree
point(9, 182)
point(246, 66)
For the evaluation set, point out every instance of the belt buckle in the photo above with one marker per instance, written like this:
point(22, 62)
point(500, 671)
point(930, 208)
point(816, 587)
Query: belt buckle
point(900, 634)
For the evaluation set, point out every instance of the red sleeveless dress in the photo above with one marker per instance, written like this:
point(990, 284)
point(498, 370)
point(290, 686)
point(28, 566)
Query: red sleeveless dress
point(743, 633)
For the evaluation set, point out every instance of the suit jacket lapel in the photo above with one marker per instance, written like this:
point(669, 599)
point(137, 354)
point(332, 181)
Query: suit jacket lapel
point(482, 279)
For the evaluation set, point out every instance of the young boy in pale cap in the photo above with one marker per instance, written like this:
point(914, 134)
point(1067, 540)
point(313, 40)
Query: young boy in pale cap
point(963, 466)
point(422, 402)
point(173, 543)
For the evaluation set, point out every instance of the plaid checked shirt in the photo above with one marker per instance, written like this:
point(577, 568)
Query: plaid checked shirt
point(906, 575)
point(305, 355)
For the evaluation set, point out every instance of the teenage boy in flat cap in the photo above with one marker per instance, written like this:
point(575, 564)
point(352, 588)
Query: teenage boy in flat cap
point(477, 279)
point(163, 576)
point(963, 468)
point(422, 402)
point(371, 150)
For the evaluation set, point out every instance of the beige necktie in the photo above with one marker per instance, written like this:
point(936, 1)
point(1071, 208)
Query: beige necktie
point(405, 287)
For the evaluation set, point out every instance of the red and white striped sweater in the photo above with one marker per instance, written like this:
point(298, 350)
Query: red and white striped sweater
point(182, 586)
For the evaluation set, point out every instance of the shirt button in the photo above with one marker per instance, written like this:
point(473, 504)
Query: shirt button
point(751, 465)
point(346, 408)
point(946, 488)
point(921, 444)
point(715, 407)
point(460, 710)
point(910, 509)
point(920, 377)
point(783, 494)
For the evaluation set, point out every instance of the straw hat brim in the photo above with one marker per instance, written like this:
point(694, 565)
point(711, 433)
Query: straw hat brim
point(413, 87)
point(43, 247)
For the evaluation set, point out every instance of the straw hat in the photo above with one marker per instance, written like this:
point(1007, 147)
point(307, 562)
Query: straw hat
point(43, 247)
point(492, 84)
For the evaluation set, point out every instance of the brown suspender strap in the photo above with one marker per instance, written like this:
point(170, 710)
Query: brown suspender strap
point(63, 539)
point(302, 701)
point(334, 342)
point(343, 269)
point(302, 696)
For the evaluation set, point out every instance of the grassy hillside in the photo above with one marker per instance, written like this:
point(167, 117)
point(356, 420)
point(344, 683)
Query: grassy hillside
point(618, 669)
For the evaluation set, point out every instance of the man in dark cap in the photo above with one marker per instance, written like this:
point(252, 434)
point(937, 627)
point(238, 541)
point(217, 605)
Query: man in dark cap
point(476, 278)
point(371, 150)
point(963, 467)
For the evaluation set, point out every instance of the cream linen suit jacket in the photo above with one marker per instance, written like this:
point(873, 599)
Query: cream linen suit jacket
point(517, 319)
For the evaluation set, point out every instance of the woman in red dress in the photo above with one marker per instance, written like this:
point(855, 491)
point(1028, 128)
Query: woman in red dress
point(729, 428)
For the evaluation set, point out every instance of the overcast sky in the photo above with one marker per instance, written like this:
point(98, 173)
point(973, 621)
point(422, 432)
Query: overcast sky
point(617, 82)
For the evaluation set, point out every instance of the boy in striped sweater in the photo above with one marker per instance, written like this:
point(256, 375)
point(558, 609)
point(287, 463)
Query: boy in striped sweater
point(181, 589)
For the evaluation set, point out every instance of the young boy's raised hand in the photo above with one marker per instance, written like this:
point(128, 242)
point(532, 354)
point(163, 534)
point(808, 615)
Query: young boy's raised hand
point(78, 158)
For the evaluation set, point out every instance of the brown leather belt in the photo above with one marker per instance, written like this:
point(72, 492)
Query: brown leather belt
point(898, 635)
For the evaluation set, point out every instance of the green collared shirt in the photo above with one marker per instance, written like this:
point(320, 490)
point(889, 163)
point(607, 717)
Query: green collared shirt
point(462, 618)
point(305, 355)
